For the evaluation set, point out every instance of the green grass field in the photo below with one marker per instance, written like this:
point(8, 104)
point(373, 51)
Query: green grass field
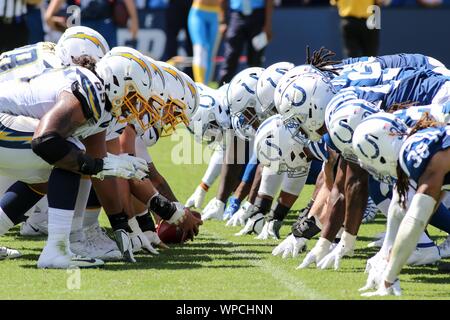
point(217, 265)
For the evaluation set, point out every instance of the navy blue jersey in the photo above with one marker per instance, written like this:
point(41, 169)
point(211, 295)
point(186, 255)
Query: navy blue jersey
point(418, 150)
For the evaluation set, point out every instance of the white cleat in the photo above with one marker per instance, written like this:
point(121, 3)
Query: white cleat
point(425, 253)
point(86, 248)
point(36, 225)
point(7, 253)
point(444, 248)
point(98, 238)
point(61, 258)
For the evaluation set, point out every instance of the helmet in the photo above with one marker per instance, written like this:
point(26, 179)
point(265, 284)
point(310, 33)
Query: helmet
point(304, 100)
point(174, 112)
point(159, 96)
point(344, 120)
point(288, 77)
point(275, 148)
point(128, 81)
point(209, 120)
point(192, 96)
point(241, 99)
point(376, 142)
point(267, 83)
point(78, 41)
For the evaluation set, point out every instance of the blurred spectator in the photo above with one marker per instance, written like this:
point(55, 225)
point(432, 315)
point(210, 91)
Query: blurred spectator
point(34, 22)
point(358, 39)
point(203, 23)
point(13, 28)
point(100, 15)
point(248, 18)
point(176, 20)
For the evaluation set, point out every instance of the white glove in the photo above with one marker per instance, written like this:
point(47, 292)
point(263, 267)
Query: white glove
point(241, 216)
point(264, 235)
point(317, 253)
point(345, 247)
point(376, 271)
point(139, 241)
point(393, 290)
point(213, 210)
point(197, 198)
point(155, 240)
point(290, 246)
point(254, 224)
point(270, 230)
point(122, 166)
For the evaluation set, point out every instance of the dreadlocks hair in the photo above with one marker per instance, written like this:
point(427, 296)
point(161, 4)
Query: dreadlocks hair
point(402, 185)
point(321, 59)
point(85, 61)
point(401, 105)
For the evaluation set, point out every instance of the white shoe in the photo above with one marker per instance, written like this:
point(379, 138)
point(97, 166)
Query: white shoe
point(425, 253)
point(86, 248)
point(444, 248)
point(379, 242)
point(7, 253)
point(61, 258)
point(35, 225)
point(99, 239)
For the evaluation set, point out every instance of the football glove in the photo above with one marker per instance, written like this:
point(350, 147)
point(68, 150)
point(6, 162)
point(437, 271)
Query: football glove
point(271, 229)
point(197, 198)
point(155, 240)
point(233, 206)
point(291, 246)
point(317, 253)
point(123, 166)
point(213, 210)
point(139, 241)
point(345, 247)
point(241, 216)
point(253, 225)
point(393, 290)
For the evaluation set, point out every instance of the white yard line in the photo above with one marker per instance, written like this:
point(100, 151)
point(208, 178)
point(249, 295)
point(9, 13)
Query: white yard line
point(290, 282)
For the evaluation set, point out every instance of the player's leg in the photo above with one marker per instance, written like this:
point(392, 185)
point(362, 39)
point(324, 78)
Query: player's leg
point(197, 25)
point(213, 44)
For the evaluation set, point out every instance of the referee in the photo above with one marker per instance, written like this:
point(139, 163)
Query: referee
point(13, 28)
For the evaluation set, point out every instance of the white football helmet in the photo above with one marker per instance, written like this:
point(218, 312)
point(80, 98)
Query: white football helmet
point(377, 142)
point(175, 110)
point(276, 149)
point(159, 94)
point(304, 100)
point(210, 119)
point(343, 122)
point(78, 41)
point(128, 80)
point(290, 76)
point(246, 112)
point(267, 82)
point(192, 96)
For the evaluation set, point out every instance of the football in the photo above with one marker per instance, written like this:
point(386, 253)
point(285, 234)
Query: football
point(169, 233)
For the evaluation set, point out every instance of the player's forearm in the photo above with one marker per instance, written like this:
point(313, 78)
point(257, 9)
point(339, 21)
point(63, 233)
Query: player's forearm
point(163, 187)
point(356, 193)
point(334, 215)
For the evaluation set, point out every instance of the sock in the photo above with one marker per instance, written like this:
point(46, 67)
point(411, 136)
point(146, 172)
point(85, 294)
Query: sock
point(17, 200)
point(441, 218)
point(145, 221)
point(119, 221)
point(5, 222)
point(80, 206)
point(59, 223)
point(91, 217)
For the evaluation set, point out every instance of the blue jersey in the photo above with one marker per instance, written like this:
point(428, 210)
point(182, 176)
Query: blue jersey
point(417, 151)
point(437, 112)
point(401, 60)
point(420, 86)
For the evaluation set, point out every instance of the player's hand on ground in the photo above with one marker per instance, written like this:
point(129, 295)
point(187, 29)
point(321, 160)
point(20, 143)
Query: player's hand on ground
point(291, 246)
point(197, 198)
point(393, 290)
point(213, 210)
point(241, 216)
point(139, 241)
point(190, 226)
point(320, 250)
point(232, 208)
point(155, 240)
point(253, 225)
point(271, 229)
point(345, 247)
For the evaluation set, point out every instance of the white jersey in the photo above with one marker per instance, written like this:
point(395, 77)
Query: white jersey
point(28, 61)
point(36, 96)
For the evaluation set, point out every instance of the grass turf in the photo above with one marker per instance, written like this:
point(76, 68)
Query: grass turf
point(217, 265)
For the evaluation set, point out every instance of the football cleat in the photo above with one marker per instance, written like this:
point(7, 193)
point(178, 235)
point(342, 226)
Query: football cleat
point(425, 253)
point(35, 225)
point(98, 237)
point(124, 244)
point(87, 248)
point(61, 258)
point(444, 248)
point(7, 253)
